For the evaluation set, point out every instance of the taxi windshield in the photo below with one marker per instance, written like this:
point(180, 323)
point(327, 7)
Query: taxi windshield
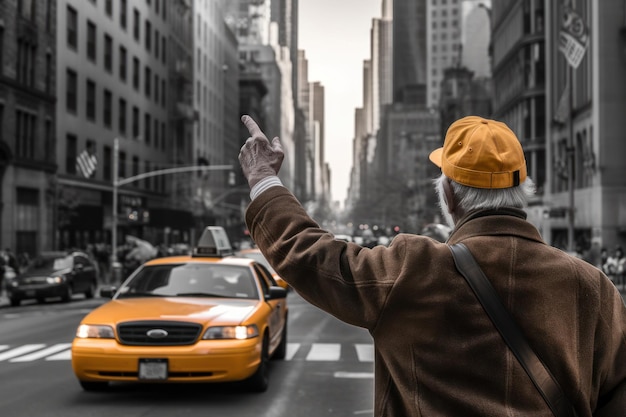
point(191, 280)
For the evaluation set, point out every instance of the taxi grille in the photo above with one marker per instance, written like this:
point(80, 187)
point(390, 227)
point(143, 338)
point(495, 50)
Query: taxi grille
point(158, 333)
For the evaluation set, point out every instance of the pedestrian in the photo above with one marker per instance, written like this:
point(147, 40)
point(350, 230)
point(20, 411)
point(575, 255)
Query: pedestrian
point(436, 351)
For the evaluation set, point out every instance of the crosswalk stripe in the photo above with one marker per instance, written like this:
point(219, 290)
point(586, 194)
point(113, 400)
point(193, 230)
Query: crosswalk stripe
point(62, 356)
point(365, 352)
point(324, 352)
point(13, 353)
point(292, 348)
point(42, 353)
point(317, 352)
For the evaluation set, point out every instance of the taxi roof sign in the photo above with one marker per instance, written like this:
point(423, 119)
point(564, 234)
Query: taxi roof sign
point(213, 242)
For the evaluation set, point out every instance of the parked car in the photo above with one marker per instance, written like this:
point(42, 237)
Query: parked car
point(200, 318)
point(54, 274)
point(255, 253)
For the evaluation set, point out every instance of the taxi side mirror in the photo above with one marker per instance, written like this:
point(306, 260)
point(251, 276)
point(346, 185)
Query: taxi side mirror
point(276, 293)
point(107, 291)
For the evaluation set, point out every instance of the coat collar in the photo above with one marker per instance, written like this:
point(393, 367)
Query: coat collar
point(505, 221)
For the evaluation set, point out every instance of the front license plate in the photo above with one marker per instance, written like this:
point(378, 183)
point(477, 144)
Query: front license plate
point(153, 369)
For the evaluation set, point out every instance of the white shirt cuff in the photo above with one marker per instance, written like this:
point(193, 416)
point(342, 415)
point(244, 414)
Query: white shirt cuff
point(263, 185)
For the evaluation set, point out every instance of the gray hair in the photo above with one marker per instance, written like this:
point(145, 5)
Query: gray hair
point(470, 198)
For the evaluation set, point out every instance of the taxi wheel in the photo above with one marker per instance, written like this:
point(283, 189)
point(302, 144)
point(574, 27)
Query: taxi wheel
point(94, 385)
point(281, 349)
point(259, 381)
point(15, 302)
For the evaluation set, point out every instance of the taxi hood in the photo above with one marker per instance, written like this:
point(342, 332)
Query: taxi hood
point(196, 310)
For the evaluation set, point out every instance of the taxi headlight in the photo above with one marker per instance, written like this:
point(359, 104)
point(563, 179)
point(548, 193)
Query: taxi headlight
point(91, 331)
point(231, 332)
point(55, 280)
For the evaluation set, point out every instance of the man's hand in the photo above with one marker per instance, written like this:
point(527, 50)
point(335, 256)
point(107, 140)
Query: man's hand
point(258, 157)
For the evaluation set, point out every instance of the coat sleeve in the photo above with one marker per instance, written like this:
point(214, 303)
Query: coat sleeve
point(344, 279)
point(612, 362)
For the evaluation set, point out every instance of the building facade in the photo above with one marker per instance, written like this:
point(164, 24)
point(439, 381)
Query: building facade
point(124, 98)
point(28, 186)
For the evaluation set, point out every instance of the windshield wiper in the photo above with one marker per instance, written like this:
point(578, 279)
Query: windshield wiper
point(202, 294)
point(139, 294)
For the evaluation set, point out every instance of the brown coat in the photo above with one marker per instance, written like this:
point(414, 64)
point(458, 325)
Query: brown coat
point(436, 351)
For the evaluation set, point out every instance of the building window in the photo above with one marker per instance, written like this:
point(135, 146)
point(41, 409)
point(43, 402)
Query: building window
point(108, 7)
point(108, 53)
point(71, 154)
point(135, 122)
point(147, 80)
point(156, 43)
point(147, 181)
point(71, 91)
point(1, 50)
point(91, 100)
point(121, 168)
point(135, 169)
point(27, 220)
point(136, 23)
point(72, 28)
point(26, 9)
point(123, 63)
point(107, 164)
point(147, 123)
point(25, 65)
point(163, 46)
point(108, 109)
point(156, 133)
point(91, 41)
point(163, 85)
point(148, 36)
point(156, 88)
point(25, 124)
point(123, 14)
point(49, 145)
point(163, 134)
point(49, 73)
point(135, 73)
point(121, 119)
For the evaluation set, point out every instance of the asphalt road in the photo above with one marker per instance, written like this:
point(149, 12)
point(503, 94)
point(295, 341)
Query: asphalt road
point(327, 372)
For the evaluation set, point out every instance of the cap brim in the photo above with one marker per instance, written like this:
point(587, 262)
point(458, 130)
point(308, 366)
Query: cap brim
point(435, 156)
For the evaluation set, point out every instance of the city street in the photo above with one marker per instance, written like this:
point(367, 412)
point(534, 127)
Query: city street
point(328, 371)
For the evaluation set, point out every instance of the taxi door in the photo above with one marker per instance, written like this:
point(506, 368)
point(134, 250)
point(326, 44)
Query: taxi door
point(278, 306)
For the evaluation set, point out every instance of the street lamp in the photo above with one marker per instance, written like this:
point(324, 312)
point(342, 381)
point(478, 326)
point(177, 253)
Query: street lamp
point(118, 183)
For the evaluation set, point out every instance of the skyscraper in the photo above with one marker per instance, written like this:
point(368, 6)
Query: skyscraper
point(409, 50)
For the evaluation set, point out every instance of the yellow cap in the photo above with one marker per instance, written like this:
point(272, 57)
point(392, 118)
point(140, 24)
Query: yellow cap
point(481, 153)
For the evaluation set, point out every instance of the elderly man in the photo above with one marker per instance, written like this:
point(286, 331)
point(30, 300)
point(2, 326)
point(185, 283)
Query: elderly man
point(436, 351)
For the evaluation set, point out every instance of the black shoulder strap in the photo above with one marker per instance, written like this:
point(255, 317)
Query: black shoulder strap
point(539, 374)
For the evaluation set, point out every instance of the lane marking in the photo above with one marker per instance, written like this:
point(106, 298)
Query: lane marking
point(324, 352)
point(353, 375)
point(365, 352)
point(42, 353)
point(292, 348)
point(19, 351)
point(318, 352)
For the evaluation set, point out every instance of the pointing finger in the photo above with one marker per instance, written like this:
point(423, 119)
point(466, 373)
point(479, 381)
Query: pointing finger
point(252, 127)
point(276, 145)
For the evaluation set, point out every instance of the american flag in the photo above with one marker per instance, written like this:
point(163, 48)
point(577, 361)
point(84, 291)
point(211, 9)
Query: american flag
point(86, 164)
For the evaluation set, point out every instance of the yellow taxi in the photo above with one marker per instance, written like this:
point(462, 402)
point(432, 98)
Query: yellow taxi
point(255, 253)
point(207, 317)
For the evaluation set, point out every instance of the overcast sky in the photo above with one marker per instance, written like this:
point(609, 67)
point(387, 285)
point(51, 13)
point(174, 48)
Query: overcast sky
point(335, 35)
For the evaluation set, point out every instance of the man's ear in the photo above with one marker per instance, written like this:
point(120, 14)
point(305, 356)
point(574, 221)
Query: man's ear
point(449, 196)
